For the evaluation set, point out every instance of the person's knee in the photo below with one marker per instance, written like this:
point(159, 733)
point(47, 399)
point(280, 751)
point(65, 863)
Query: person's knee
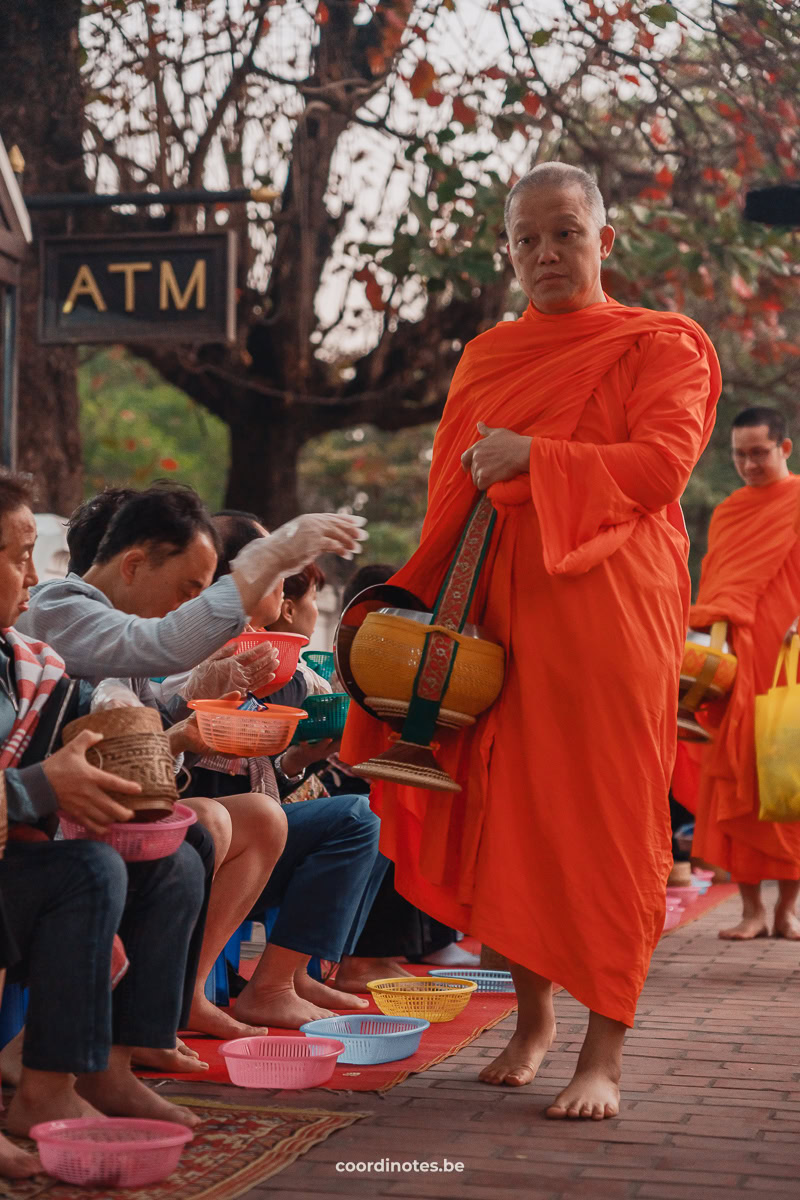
point(102, 868)
point(260, 818)
point(217, 821)
point(355, 811)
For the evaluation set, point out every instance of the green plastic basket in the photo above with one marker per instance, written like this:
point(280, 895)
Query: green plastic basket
point(326, 717)
point(320, 661)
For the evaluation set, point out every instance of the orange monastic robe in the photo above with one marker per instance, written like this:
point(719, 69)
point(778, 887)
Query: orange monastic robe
point(751, 578)
point(557, 849)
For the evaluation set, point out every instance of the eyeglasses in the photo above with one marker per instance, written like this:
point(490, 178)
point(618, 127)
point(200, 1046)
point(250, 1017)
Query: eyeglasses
point(759, 455)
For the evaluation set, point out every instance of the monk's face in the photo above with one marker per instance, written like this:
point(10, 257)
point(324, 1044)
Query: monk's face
point(758, 458)
point(556, 248)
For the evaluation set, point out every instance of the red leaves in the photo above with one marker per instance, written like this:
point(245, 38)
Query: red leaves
point(434, 98)
point(421, 82)
point(322, 16)
point(657, 133)
point(659, 190)
point(463, 113)
point(632, 79)
point(713, 175)
point(531, 103)
point(168, 464)
point(377, 60)
point(372, 289)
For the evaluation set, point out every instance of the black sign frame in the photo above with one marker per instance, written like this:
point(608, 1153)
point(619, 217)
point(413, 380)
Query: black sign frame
point(150, 285)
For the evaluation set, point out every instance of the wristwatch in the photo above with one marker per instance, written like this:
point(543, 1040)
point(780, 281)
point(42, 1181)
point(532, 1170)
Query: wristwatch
point(292, 779)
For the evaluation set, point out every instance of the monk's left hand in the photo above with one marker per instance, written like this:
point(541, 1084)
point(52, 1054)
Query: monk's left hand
point(499, 455)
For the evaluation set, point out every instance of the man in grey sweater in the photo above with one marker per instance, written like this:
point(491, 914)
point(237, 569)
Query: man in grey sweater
point(144, 607)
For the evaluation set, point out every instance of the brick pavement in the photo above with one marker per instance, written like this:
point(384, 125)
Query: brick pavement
point(711, 1098)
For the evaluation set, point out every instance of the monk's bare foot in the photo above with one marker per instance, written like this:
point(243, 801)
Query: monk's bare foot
point(16, 1163)
point(748, 928)
point(11, 1060)
point(593, 1094)
point(173, 1062)
point(787, 924)
point(324, 996)
point(521, 1059)
point(45, 1096)
point(117, 1092)
point(279, 1005)
point(355, 973)
point(205, 1017)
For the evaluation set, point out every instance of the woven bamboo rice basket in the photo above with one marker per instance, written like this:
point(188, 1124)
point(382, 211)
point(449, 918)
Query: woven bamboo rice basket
point(135, 747)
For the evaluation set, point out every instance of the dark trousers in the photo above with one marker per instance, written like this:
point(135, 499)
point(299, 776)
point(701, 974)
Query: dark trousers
point(327, 877)
point(63, 902)
point(200, 840)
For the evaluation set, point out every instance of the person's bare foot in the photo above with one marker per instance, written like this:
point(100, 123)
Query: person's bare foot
point(45, 1096)
point(521, 1059)
point(179, 1061)
point(355, 973)
point(279, 1005)
point(592, 1094)
point(787, 924)
point(117, 1092)
point(205, 1017)
point(11, 1060)
point(749, 927)
point(324, 996)
point(16, 1163)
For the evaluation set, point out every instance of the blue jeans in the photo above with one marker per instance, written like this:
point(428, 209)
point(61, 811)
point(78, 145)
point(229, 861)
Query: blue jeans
point(63, 903)
point(327, 877)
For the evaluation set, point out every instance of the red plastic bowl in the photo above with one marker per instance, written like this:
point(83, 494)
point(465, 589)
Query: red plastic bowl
point(110, 1152)
point(138, 841)
point(288, 646)
point(282, 1062)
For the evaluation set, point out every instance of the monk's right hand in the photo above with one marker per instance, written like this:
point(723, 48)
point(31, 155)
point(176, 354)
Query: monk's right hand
point(791, 632)
point(82, 790)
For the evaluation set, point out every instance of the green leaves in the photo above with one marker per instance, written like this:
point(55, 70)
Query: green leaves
point(542, 36)
point(661, 15)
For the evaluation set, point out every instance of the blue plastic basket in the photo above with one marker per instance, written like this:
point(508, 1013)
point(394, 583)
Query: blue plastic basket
point(321, 661)
point(370, 1039)
point(326, 717)
point(487, 981)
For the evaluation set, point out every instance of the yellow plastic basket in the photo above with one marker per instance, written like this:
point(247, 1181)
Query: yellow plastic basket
point(428, 998)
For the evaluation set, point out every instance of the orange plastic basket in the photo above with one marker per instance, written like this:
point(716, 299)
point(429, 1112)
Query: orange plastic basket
point(288, 646)
point(229, 730)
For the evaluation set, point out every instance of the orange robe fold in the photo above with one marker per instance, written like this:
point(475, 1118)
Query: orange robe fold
point(751, 578)
point(557, 849)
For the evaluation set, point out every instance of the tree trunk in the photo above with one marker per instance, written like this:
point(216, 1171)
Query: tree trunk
point(41, 111)
point(263, 475)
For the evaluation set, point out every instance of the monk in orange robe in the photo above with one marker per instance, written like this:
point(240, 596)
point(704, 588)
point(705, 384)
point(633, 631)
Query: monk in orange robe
point(750, 578)
point(583, 421)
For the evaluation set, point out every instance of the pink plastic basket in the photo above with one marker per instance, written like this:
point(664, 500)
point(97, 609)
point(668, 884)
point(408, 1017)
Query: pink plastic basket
point(137, 841)
point(288, 646)
point(110, 1152)
point(281, 1062)
point(229, 729)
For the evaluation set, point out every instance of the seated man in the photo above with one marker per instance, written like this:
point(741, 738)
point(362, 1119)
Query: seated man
point(62, 902)
point(325, 879)
point(150, 565)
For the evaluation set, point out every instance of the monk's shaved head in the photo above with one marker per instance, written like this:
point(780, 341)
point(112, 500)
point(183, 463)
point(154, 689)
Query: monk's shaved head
point(558, 174)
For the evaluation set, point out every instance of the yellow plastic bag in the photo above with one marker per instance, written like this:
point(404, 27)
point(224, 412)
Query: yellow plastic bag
point(777, 727)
